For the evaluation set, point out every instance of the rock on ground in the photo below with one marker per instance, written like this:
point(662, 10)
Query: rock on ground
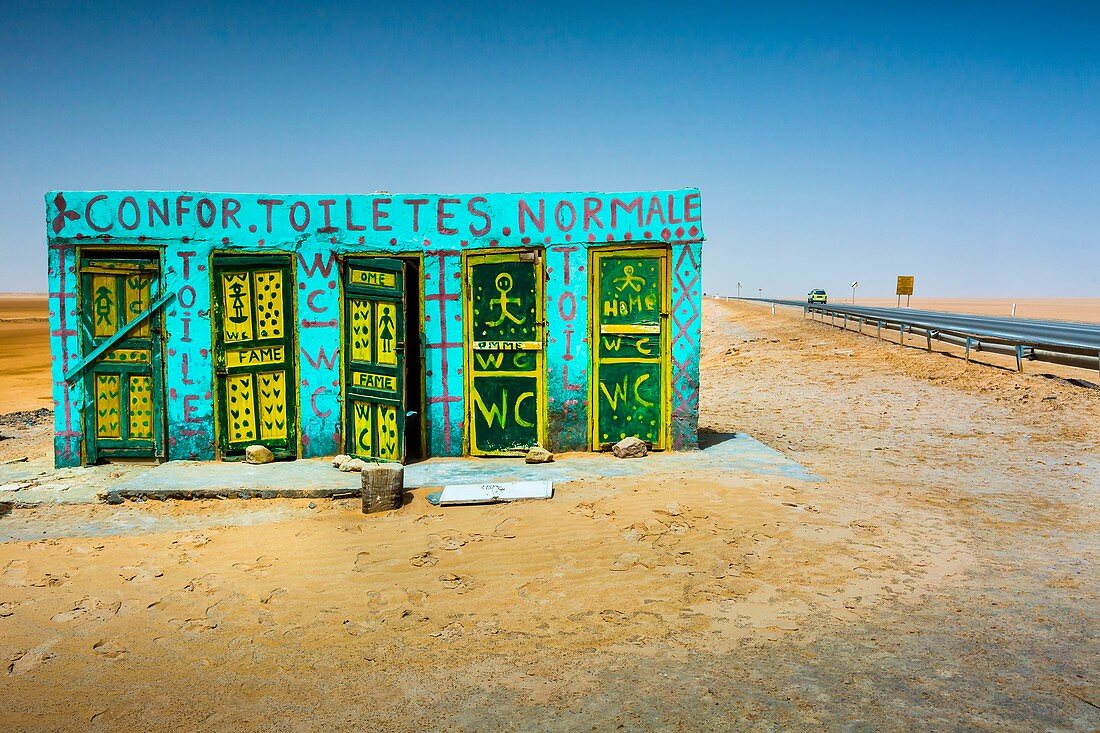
point(258, 454)
point(539, 455)
point(630, 448)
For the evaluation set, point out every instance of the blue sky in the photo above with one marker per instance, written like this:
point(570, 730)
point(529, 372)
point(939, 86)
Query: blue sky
point(958, 142)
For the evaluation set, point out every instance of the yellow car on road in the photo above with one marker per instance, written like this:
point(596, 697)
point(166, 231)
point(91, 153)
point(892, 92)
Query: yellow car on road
point(817, 296)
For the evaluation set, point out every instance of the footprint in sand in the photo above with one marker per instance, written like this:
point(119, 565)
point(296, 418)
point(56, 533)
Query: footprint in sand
point(272, 595)
point(139, 574)
point(507, 528)
point(424, 559)
point(7, 608)
point(93, 608)
point(362, 562)
point(23, 661)
point(262, 563)
point(109, 649)
point(454, 582)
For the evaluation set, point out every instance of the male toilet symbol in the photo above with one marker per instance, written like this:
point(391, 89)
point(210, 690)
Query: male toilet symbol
point(504, 286)
point(103, 305)
point(630, 280)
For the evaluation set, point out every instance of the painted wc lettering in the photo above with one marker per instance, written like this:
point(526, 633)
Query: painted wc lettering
point(629, 359)
point(210, 216)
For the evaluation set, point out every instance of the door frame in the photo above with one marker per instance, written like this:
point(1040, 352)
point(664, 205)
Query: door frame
point(159, 421)
point(292, 363)
point(468, 346)
point(342, 263)
point(595, 254)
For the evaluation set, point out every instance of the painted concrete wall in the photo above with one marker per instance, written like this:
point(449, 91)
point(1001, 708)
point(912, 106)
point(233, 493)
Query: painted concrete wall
point(187, 227)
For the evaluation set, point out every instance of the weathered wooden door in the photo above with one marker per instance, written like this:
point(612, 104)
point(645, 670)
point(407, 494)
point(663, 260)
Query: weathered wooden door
point(506, 405)
point(254, 354)
point(374, 358)
point(630, 352)
point(125, 386)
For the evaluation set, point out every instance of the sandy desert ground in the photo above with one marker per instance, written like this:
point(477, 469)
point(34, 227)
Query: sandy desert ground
point(944, 576)
point(24, 353)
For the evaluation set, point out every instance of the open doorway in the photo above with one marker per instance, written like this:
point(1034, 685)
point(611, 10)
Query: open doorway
point(383, 360)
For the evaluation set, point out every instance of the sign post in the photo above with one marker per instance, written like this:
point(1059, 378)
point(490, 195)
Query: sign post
point(905, 287)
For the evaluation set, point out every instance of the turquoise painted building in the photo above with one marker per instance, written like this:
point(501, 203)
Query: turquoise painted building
point(190, 325)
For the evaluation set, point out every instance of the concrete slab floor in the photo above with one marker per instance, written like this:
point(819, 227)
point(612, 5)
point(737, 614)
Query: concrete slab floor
point(34, 482)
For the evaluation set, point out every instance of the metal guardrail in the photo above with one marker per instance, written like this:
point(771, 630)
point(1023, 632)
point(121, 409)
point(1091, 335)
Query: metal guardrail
point(1055, 342)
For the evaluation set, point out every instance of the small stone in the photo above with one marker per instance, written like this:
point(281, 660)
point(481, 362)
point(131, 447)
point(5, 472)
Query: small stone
point(113, 497)
point(355, 465)
point(539, 455)
point(630, 448)
point(340, 460)
point(313, 505)
point(258, 454)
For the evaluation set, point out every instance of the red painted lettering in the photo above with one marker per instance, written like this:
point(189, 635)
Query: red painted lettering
point(379, 214)
point(131, 203)
point(567, 306)
point(184, 366)
point(206, 212)
point(188, 409)
point(562, 206)
point(442, 215)
point(634, 206)
point(416, 204)
point(190, 293)
point(672, 211)
point(88, 213)
point(479, 231)
point(309, 301)
point(526, 213)
point(352, 226)
point(181, 209)
point(269, 204)
point(187, 263)
point(592, 207)
point(328, 228)
point(162, 213)
point(654, 208)
point(691, 207)
point(299, 206)
point(230, 207)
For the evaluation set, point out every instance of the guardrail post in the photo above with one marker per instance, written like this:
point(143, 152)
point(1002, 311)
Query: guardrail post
point(1019, 358)
point(901, 334)
point(878, 333)
point(967, 349)
point(845, 322)
point(928, 333)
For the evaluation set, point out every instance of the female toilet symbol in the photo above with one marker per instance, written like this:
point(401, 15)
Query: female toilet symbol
point(386, 330)
point(504, 286)
point(630, 280)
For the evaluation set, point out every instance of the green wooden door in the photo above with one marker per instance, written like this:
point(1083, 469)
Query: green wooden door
point(374, 359)
point(125, 386)
point(505, 375)
point(630, 353)
point(254, 345)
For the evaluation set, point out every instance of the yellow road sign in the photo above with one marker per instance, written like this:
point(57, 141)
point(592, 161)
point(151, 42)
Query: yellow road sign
point(905, 285)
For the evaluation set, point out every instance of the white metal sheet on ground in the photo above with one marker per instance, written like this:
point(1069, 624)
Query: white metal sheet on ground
point(490, 493)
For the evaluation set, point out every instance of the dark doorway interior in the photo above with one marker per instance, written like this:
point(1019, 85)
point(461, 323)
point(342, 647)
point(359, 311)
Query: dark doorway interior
point(414, 365)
